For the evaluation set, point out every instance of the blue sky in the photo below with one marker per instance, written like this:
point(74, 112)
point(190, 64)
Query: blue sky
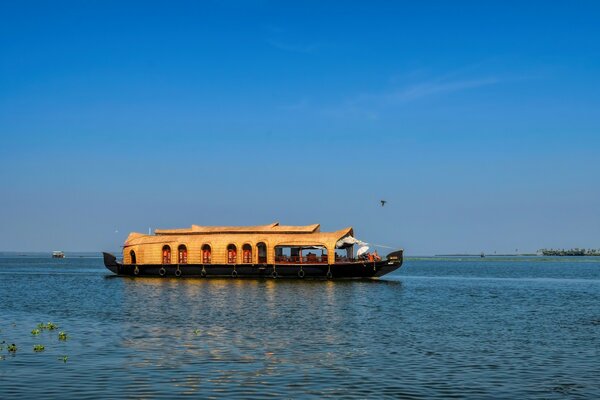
point(477, 121)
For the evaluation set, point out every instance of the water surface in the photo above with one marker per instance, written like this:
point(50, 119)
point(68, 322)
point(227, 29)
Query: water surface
point(437, 328)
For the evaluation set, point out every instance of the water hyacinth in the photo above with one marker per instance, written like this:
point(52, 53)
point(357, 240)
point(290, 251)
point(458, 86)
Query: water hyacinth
point(197, 332)
point(38, 348)
point(12, 348)
point(62, 336)
point(63, 359)
point(35, 332)
point(50, 326)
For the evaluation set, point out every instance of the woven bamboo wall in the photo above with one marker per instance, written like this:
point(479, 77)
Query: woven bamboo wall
point(148, 248)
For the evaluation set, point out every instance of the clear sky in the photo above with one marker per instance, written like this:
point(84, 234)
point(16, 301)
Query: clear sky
point(478, 122)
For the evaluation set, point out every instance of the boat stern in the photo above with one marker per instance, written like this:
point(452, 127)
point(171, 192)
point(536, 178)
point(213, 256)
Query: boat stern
point(110, 262)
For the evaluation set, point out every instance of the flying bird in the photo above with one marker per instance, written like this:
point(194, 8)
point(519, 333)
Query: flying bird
point(383, 202)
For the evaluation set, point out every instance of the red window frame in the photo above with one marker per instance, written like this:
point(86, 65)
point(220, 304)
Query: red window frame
point(182, 254)
point(166, 255)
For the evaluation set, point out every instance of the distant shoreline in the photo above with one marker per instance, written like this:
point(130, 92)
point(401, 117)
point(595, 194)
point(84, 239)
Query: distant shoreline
point(517, 255)
point(48, 254)
point(488, 255)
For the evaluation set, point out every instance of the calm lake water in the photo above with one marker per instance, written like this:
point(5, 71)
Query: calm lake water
point(437, 328)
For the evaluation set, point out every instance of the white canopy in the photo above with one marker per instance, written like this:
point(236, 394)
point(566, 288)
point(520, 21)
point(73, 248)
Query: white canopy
point(348, 241)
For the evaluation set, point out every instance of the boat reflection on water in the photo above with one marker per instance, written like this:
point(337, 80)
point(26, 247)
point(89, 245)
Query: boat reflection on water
point(234, 330)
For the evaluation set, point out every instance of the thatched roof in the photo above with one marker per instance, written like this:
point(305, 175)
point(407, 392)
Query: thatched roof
point(274, 233)
point(270, 228)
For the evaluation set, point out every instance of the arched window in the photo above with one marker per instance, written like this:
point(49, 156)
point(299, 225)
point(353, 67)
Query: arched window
point(231, 254)
point(182, 254)
point(247, 254)
point(206, 254)
point(166, 255)
point(132, 255)
point(262, 253)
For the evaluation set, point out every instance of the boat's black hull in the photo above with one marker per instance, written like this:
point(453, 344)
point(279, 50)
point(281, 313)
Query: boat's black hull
point(348, 270)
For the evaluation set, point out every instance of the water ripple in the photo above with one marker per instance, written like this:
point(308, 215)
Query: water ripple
point(435, 329)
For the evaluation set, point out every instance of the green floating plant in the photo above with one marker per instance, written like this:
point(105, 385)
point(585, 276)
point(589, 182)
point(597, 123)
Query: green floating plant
point(62, 336)
point(41, 326)
point(35, 332)
point(50, 326)
point(12, 348)
point(197, 332)
point(38, 347)
point(63, 359)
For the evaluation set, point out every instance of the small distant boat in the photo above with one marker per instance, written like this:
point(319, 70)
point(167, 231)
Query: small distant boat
point(58, 254)
point(251, 251)
point(482, 255)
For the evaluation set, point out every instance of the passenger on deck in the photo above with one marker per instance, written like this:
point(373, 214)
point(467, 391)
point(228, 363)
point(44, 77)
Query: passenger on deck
point(376, 256)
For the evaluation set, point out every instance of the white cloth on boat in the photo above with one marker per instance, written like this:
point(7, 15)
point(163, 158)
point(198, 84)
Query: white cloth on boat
point(362, 250)
point(348, 241)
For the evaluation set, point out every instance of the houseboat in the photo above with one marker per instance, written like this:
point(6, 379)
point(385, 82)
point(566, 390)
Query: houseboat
point(58, 254)
point(274, 250)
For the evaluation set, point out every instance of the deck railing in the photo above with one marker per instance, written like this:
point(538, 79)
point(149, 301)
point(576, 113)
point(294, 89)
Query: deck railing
point(301, 260)
point(316, 259)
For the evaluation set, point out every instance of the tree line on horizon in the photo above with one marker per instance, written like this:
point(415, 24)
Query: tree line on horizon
point(570, 252)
